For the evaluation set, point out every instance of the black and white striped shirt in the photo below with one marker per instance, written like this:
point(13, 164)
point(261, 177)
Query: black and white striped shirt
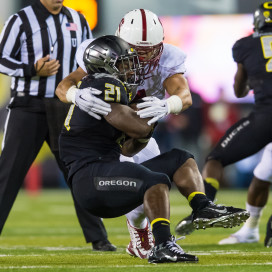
point(33, 33)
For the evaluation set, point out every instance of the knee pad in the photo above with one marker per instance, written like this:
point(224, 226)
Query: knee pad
point(181, 155)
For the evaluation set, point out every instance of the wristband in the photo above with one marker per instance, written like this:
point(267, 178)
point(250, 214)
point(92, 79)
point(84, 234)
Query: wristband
point(71, 94)
point(174, 104)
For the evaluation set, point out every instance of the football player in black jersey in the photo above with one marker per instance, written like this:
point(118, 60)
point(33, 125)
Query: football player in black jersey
point(106, 187)
point(253, 55)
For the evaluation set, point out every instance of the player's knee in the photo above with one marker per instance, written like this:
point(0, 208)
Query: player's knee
point(181, 155)
point(158, 178)
point(216, 156)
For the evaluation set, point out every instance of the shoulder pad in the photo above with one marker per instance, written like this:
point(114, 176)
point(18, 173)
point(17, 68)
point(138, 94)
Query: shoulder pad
point(172, 56)
point(113, 89)
point(240, 49)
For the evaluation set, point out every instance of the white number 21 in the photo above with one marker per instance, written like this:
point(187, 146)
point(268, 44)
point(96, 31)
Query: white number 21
point(112, 93)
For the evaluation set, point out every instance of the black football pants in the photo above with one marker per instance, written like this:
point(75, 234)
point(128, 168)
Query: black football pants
point(114, 188)
point(244, 138)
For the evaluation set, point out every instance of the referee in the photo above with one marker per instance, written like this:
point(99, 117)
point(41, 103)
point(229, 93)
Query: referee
point(37, 49)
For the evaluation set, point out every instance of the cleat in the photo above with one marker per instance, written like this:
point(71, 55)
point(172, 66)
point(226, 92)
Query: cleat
point(237, 239)
point(243, 235)
point(212, 216)
point(219, 216)
point(185, 226)
point(141, 241)
point(170, 252)
point(268, 236)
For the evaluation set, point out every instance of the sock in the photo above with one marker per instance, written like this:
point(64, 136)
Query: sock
point(211, 187)
point(161, 230)
point(198, 200)
point(255, 215)
point(137, 218)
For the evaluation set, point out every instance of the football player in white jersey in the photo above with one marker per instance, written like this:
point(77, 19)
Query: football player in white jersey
point(164, 72)
point(257, 198)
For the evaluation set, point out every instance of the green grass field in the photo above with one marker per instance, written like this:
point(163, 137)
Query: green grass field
point(42, 234)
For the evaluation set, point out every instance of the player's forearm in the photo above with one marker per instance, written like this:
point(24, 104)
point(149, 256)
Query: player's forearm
point(67, 83)
point(177, 85)
point(62, 89)
point(240, 85)
point(241, 91)
point(186, 98)
point(125, 119)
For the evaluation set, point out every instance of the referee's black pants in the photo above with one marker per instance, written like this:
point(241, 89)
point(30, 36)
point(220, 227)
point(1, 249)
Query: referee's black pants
point(30, 122)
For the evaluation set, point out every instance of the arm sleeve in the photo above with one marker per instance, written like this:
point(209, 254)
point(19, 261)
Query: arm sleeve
point(10, 45)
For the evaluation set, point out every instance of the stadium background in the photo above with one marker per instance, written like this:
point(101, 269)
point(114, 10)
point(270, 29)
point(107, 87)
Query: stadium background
point(202, 29)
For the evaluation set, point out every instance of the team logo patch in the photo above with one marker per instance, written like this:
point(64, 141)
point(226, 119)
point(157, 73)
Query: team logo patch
point(117, 184)
point(229, 138)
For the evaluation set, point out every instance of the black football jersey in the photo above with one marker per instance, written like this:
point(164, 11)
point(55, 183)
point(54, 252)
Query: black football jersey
point(85, 139)
point(255, 53)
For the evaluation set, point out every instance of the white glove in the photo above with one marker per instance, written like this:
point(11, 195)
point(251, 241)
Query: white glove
point(156, 108)
point(152, 107)
point(87, 101)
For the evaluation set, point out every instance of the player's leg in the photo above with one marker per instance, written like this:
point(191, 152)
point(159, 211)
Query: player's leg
point(141, 238)
point(97, 189)
point(180, 166)
point(268, 236)
point(257, 197)
point(243, 139)
point(157, 209)
point(182, 169)
point(239, 142)
point(24, 135)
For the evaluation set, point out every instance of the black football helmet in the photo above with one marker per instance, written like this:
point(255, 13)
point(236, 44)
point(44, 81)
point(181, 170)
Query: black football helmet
point(263, 16)
point(112, 55)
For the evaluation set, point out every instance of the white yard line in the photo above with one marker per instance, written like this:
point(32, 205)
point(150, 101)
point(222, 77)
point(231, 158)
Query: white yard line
point(124, 266)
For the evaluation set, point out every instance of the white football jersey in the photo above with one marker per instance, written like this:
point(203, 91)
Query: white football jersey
point(172, 62)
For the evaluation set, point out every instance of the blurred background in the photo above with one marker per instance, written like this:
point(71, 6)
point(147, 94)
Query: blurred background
point(205, 31)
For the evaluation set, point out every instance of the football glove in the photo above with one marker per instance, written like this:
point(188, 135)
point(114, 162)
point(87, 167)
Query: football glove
point(152, 107)
point(157, 109)
point(87, 101)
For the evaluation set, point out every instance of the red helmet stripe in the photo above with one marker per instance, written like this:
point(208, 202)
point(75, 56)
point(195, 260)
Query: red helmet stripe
point(144, 24)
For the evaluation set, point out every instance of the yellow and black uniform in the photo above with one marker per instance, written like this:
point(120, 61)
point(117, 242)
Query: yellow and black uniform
point(252, 133)
point(90, 150)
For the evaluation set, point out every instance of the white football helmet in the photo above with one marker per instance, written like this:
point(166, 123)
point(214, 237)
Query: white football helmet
point(143, 30)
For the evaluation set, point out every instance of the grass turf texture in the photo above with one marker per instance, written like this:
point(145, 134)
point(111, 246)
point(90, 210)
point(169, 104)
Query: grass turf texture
point(42, 234)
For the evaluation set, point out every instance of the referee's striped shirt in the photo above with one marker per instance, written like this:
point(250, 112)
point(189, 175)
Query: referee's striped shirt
point(33, 33)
